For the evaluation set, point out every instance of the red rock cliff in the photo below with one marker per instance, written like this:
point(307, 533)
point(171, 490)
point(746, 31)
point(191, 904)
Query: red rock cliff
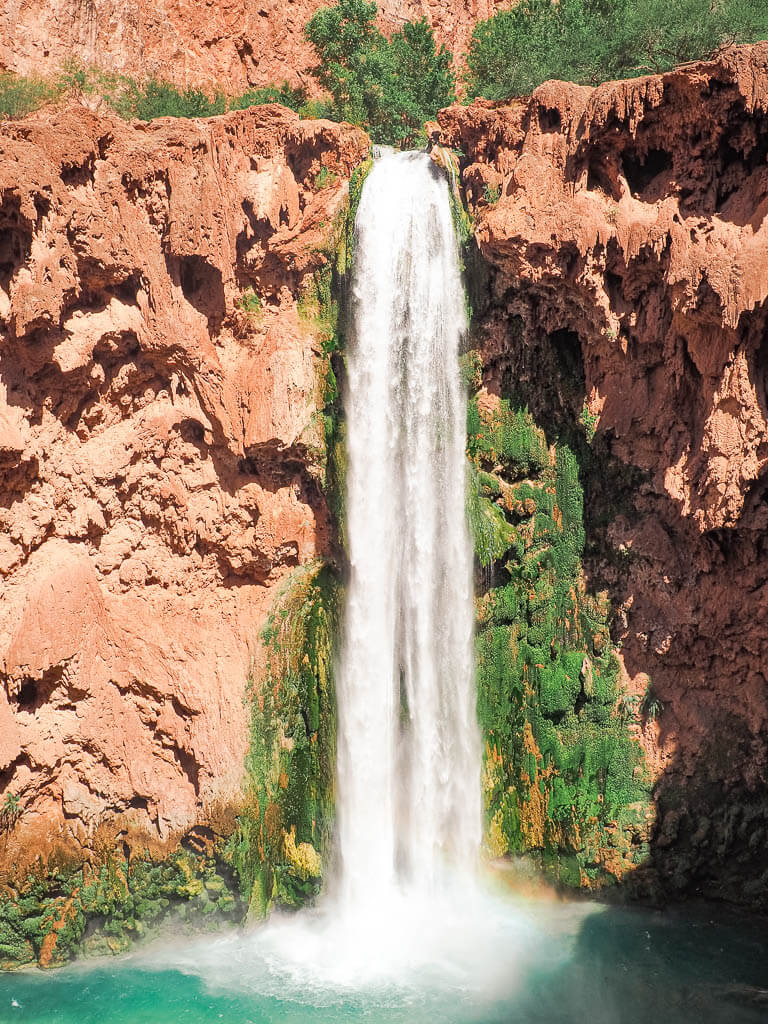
point(625, 243)
point(159, 452)
point(226, 44)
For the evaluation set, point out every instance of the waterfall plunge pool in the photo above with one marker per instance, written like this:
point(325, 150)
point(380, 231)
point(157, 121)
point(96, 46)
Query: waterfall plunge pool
point(492, 960)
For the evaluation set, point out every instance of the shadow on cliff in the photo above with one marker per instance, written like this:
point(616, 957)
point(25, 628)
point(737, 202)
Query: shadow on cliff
point(688, 616)
point(114, 383)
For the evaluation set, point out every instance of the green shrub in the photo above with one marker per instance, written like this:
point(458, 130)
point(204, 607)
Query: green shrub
point(10, 810)
point(325, 178)
point(318, 306)
point(560, 684)
point(589, 421)
point(145, 101)
point(157, 98)
point(249, 302)
point(19, 96)
point(650, 705)
point(492, 534)
point(590, 41)
point(471, 369)
point(492, 194)
point(289, 96)
point(509, 438)
point(319, 108)
point(388, 86)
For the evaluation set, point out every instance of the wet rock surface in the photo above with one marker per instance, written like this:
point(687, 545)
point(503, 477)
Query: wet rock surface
point(621, 294)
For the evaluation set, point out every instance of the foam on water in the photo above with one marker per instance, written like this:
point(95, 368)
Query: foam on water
point(472, 953)
point(533, 963)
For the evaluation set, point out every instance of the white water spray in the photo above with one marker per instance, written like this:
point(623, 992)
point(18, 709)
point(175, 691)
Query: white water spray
point(409, 749)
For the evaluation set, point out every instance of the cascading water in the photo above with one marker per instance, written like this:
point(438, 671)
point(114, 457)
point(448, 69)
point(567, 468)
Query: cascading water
point(409, 936)
point(409, 749)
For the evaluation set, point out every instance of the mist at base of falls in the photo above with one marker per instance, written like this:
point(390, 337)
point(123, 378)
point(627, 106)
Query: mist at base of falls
point(516, 962)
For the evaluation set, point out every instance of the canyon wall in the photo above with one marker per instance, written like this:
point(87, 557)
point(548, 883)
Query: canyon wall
point(620, 292)
point(164, 435)
point(161, 453)
point(226, 44)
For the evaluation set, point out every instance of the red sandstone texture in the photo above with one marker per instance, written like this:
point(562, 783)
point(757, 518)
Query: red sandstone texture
point(159, 449)
point(630, 240)
point(218, 44)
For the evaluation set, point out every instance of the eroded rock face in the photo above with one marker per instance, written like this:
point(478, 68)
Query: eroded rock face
point(626, 249)
point(228, 45)
point(160, 452)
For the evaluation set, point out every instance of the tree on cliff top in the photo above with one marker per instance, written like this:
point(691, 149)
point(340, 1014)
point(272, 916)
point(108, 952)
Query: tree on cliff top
point(388, 86)
point(592, 41)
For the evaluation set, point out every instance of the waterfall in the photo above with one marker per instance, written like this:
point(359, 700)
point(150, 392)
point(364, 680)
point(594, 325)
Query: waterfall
point(408, 748)
point(407, 930)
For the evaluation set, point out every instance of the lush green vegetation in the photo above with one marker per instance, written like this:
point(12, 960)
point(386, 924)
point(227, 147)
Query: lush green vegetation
point(389, 86)
point(288, 95)
point(563, 778)
point(590, 41)
point(145, 100)
point(60, 909)
point(19, 96)
point(284, 829)
point(155, 98)
point(392, 86)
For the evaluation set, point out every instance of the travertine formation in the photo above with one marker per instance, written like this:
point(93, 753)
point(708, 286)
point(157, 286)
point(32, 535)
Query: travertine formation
point(218, 44)
point(160, 451)
point(160, 443)
point(625, 250)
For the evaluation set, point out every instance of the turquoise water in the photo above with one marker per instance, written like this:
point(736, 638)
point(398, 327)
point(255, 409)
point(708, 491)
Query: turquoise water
point(526, 963)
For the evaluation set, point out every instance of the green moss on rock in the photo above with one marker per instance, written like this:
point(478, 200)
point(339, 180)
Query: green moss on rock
point(320, 305)
point(51, 915)
point(563, 779)
point(283, 833)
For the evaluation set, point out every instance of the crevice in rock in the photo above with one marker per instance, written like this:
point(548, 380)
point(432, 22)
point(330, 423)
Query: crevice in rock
point(202, 286)
point(74, 174)
point(30, 694)
point(15, 238)
point(641, 170)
